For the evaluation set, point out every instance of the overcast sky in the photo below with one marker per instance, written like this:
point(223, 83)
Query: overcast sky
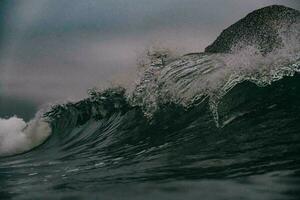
point(57, 49)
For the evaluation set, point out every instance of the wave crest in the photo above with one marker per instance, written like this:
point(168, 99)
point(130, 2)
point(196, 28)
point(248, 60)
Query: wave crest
point(193, 78)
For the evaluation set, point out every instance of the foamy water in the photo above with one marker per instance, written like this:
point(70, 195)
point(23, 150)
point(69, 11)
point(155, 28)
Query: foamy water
point(17, 136)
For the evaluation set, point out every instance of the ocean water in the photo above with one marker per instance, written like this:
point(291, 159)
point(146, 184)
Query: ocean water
point(203, 126)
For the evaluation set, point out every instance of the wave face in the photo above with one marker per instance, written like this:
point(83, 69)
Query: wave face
point(211, 126)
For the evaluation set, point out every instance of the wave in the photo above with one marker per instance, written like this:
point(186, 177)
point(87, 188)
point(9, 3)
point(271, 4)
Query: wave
point(192, 81)
point(197, 120)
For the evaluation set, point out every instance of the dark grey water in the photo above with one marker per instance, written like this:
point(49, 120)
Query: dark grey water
point(178, 154)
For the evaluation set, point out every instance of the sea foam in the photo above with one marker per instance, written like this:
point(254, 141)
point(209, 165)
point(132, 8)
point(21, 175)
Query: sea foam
point(17, 136)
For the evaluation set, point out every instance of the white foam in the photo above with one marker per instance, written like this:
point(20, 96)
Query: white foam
point(17, 136)
point(195, 77)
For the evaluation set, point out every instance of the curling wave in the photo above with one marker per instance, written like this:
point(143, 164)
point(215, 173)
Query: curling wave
point(188, 125)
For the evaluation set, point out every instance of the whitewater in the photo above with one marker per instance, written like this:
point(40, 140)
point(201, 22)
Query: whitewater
point(17, 136)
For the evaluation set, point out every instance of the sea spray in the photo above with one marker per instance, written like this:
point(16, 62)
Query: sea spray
point(191, 79)
point(17, 136)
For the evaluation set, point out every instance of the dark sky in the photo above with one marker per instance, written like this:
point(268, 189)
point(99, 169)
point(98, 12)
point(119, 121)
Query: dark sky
point(57, 49)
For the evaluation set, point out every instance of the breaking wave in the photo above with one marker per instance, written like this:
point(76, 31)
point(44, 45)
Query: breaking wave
point(198, 117)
